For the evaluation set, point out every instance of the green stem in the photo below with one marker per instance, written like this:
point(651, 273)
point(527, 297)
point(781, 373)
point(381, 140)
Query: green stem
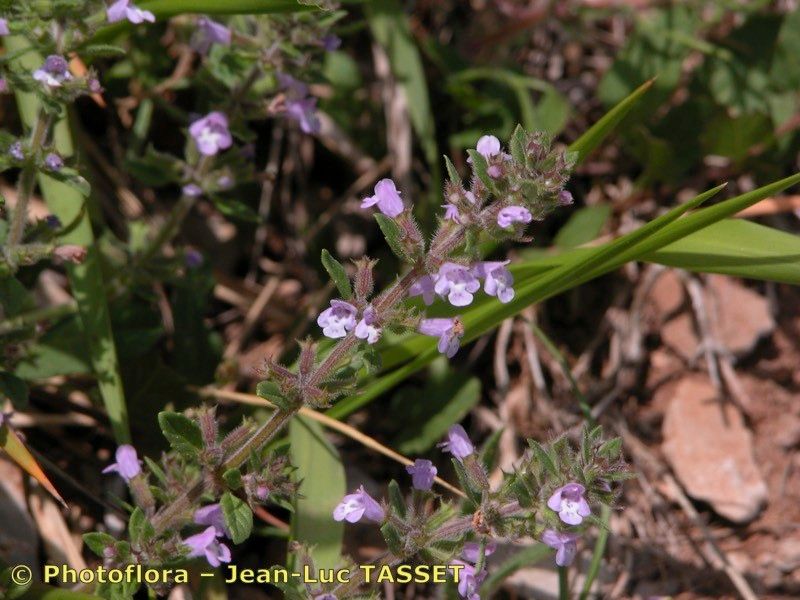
point(563, 584)
point(40, 314)
point(27, 179)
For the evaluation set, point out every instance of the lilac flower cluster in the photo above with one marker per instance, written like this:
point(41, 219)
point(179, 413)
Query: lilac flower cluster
point(567, 502)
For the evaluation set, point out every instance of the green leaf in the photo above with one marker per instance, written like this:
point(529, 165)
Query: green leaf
point(139, 527)
point(322, 486)
point(452, 172)
point(338, 275)
point(238, 517)
point(182, 433)
point(393, 234)
point(396, 499)
point(232, 478)
point(736, 247)
point(98, 542)
point(600, 130)
point(583, 226)
point(86, 279)
point(543, 458)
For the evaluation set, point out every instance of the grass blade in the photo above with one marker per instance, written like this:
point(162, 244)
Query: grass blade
point(600, 130)
point(86, 280)
point(736, 247)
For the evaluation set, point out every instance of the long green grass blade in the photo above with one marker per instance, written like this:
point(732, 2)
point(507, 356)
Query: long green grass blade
point(600, 130)
point(736, 247)
point(564, 272)
point(86, 280)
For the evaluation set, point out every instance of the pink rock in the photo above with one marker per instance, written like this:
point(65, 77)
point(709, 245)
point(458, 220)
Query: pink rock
point(711, 451)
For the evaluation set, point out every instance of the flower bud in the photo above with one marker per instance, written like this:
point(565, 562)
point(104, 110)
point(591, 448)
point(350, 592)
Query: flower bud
point(70, 253)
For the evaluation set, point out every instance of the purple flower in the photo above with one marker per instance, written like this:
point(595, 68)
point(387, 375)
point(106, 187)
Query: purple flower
point(262, 492)
point(457, 443)
point(206, 544)
point(123, 9)
point(211, 133)
point(127, 465)
point(565, 198)
point(498, 279)
point(366, 328)
point(208, 33)
point(449, 332)
point(494, 171)
point(469, 582)
point(15, 150)
point(53, 72)
point(225, 182)
point(451, 213)
point(304, 111)
point(192, 190)
point(355, 506)
point(422, 474)
point(331, 42)
point(212, 515)
point(4, 27)
point(337, 320)
point(488, 146)
point(569, 503)
point(326, 597)
point(386, 197)
point(564, 544)
point(53, 162)
point(424, 286)
point(193, 259)
point(52, 221)
point(457, 283)
point(94, 85)
point(513, 214)
point(294, 88)
point(471, 551)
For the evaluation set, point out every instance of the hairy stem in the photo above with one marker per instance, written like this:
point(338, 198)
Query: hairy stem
point(26, 182)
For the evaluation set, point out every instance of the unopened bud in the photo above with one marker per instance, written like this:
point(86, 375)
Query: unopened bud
point(364, 280)
point(70, 253)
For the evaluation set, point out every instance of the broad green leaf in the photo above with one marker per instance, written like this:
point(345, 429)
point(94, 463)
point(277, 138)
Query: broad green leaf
point(86, 279)
point(339, 276)
point(322, 486)
point(98, 542)
point(583, 226)
point(736, 247)
point(13, 446)
point(182, 433)
point(238, 517)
